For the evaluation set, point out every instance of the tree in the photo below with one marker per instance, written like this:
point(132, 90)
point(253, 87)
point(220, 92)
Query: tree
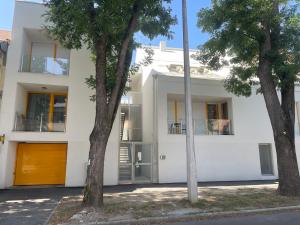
point(107, 28)
point(261, 40)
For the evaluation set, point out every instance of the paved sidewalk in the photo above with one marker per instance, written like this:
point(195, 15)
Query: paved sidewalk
point(278, 218)
point(33, 205)
point(30, 206)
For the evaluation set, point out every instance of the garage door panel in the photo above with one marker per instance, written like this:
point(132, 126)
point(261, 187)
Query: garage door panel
point(39, 164)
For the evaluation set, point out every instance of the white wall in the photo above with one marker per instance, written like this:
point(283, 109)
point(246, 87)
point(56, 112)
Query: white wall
point(21, 100)
point(228, 157)
point(219, 158)
point(80, 110)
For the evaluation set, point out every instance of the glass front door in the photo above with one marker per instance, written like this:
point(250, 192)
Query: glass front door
point(135, 163)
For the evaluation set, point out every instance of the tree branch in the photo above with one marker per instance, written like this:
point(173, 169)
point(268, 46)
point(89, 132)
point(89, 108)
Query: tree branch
point(115, 96)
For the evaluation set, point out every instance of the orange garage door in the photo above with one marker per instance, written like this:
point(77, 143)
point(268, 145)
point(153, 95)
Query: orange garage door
point(39, 164)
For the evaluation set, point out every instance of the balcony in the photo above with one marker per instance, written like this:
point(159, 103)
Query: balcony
point(38, 124)
point(202, 127)
point(211, 115)
point(45, 65)
point(41, 111)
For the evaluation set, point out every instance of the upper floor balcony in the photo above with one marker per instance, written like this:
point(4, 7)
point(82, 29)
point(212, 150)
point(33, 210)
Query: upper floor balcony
point(43, 55)
point(202, 127)
point(45, 65)
point(211, 115)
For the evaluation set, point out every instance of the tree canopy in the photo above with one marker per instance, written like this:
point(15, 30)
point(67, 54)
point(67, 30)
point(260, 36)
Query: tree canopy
point(78, 23)
point(260, 40)
point(237, 31)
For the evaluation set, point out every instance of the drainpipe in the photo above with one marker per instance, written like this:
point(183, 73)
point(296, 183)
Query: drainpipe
point(155, 132)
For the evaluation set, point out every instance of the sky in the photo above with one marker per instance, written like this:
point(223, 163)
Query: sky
point(196, 37)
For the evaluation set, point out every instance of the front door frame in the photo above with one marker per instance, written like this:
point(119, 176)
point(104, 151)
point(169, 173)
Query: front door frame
point(133, 163)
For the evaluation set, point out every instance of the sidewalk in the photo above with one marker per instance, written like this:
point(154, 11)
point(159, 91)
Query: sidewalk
point(140, 204)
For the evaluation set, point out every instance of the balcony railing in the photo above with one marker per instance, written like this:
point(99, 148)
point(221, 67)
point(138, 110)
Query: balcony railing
point(45, 64)
point(202, 127)
point(39, 124)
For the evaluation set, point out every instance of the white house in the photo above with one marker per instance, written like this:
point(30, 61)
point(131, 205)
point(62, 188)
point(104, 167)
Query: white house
point(4, 42)
point(47, 116)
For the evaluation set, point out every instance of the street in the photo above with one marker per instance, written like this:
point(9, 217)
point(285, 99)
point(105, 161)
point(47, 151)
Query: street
point(30, 206)
point(282, 218)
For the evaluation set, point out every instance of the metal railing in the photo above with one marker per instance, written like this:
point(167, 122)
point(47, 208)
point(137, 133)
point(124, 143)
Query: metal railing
point(202, 127)
point(45, 64)
point(38, 124)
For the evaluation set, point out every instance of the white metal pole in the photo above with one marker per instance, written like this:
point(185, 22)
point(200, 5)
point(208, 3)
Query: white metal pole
point(190, 147)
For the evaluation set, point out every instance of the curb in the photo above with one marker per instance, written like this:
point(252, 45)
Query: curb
point(196, 216)
point(52, 213)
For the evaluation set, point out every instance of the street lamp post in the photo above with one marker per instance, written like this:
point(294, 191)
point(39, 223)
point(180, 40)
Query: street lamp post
point(190, 147)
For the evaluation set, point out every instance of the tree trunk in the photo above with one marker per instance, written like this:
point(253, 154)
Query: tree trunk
point(106, 110)
point(289, 180)
point(282, 117)
point(93, 192)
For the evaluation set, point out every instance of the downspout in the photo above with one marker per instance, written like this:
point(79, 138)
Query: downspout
point(155, 165)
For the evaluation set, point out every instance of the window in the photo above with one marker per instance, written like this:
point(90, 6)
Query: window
point(217, 119)
point(266, 162)
point(224, 111)
point(212, 111)
point(131, 122)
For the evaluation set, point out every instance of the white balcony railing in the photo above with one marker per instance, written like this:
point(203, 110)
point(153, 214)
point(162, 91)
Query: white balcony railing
point(202, 127)
point(45, 64)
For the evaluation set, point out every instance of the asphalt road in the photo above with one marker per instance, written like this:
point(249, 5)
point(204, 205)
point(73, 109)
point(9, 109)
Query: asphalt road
point(278, 218)
point(30, 206)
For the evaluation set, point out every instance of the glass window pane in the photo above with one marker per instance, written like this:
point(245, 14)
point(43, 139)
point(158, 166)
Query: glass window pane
point(266, 163)
point(143, 153)
point(135, 122)
point(142, 173)
point(37, 112)
point(212, 111)
point(131, 123)
point(59, 113)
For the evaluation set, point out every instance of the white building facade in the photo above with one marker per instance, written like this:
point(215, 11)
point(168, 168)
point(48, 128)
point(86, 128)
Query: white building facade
point(47, 117)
